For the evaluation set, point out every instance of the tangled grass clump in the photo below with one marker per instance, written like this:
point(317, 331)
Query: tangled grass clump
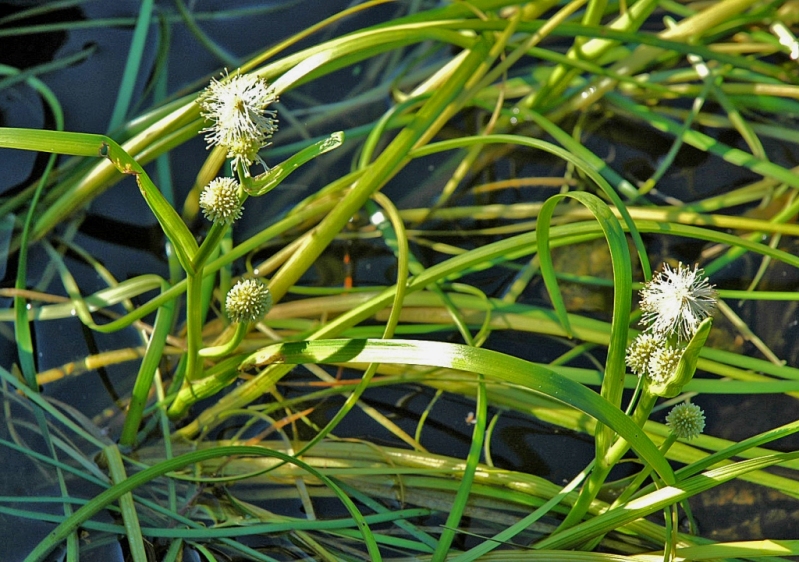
point(486, 114)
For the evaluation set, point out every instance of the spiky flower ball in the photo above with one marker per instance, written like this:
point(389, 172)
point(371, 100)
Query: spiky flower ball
point(219, 200)
point(640, 351)
point(663, 363)
point(237, 107)
point(675, 301)
point(248, 301)
point(686, 420)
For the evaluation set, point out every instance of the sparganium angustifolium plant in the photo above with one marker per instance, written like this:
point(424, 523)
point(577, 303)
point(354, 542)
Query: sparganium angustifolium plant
point(241, 123)
point(686, 420)
point(219, 200)
point(675, 301)
point(248, 301)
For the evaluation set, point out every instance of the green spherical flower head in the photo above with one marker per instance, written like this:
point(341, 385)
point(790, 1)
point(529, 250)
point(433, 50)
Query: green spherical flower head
point(686, 420)
point(248, 301)
point(219, 201)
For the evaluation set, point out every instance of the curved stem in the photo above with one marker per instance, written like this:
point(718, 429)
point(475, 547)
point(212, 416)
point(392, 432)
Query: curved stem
point(227, 348)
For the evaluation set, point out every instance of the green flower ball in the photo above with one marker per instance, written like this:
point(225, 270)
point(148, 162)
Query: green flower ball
point(248, 301)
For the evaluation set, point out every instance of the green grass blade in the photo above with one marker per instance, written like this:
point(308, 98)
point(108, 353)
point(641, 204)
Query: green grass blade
point(613, 381)
point(427, 121)
point(524, 523)
point(100, 501)
point(492, 364)
point(740, 549)
point(144, 379)
point(706, 143)
point(214, 48)
point(130, 518)
point(567, 155)
point(453, 268)
point(84, 144)
point(464, 489)
point(657, 500)
point(268, 181)
point(132, 65)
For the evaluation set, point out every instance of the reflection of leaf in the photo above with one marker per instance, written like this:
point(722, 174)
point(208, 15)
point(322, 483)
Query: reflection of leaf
point(6, 230)
point(271, 179)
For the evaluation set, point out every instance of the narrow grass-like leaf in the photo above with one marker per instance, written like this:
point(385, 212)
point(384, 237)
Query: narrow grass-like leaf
point(508, 534)
point(490, 363)
point(706, 143)
point(613, 380)
point(210, 45)
point(426, 543)
point(740, 549)
point(566, 155)
point(146, 375)
point(130, 518)
point(269, 180)
point(104, 498)
point(426, 122)
point(84, 144)
point(657, 500)
point(467, 479)
point(477, 259)
point(394, 233)
point(132, 65)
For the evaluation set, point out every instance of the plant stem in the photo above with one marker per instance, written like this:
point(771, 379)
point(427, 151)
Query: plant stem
point(194, 321)
point(229, 346)
point(605, 464)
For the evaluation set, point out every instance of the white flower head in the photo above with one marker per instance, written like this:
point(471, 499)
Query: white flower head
point(640, 351)
point(686, 420)
point(675, 301)
point(219, 200)
point(248, 301)
point(242, 124)
point(663, 364)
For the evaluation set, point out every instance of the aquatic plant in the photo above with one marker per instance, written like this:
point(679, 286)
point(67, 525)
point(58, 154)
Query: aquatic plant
point(485, 114)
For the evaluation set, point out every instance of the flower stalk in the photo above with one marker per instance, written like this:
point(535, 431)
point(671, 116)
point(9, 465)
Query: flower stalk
point(240, 123)
point(677, 305)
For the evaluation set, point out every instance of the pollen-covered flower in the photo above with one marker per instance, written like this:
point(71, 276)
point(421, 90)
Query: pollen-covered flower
point(686, 420)
point(675, 301)
point(242, 123)
point(248, 301)
point(663, 364)
point(219, 200)
point(640, 351)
